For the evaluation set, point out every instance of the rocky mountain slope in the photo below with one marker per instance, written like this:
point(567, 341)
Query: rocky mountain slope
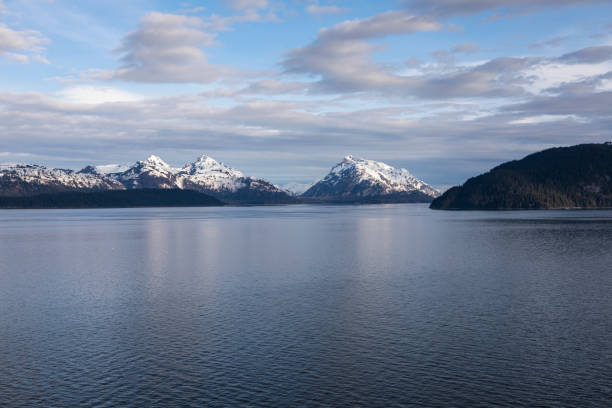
point(360, 180)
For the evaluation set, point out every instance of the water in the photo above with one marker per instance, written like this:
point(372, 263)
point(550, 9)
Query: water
point(334, 306)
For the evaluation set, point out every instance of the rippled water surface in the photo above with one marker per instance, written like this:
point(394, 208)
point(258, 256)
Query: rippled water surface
point(284, 306)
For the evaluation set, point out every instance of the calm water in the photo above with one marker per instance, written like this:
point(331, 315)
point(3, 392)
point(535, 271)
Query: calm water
point(305, 306)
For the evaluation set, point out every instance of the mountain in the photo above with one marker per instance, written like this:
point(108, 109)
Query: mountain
point(212, 177)
point(205, 175)
point(564, 177)
point(113, 199)
point(150, 173)
point(30, 179)
point(360, 180)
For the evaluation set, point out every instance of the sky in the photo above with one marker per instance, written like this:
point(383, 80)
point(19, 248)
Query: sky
point(285, 89)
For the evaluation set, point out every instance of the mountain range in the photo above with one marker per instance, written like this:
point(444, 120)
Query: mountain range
point(564, 177)
point(205, 175)
point(352, 180)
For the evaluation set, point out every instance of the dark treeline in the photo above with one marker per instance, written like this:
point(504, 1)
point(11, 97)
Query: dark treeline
point(113, 199)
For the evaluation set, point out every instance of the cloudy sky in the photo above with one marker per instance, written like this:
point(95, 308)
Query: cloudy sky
point(285, 89)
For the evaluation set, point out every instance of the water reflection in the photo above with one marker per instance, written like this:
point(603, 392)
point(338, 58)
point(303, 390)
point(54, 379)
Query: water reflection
point(305, 305)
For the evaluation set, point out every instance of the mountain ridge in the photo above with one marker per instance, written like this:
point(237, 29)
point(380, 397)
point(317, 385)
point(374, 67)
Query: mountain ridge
point(352, 180)
point(30, 179)
point(204, 175)
point(578, 176)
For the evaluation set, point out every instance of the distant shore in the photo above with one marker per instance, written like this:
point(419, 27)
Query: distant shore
point(113, 199)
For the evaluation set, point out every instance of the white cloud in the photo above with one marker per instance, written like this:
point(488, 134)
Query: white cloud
point(379, 25)
point(342, 56)
point(317, 10)
point(97, 95)
point(22, 46)
point(183, 126)
point(341, 61)
point(191, 10)
point(551, 73)
point(465, 48)
point(532, 120)
point(604, 86)
point(166, 48)
point(247, 4)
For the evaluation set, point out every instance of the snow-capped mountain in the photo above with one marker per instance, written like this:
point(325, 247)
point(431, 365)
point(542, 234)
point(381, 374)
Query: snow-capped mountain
point(31, 179)
point(351, 180)
point(205, 175)
point(355, 179)
point(209, 176)
point(150, 173)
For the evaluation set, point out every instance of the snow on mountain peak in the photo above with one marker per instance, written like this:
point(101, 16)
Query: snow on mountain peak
point(374, 170)
point(211, 174)
point(110, 168)
point(157, 162)
point(355, 175)
point(207, 165)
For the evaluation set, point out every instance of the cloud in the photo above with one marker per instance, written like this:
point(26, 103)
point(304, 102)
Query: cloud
point(191, 10)
point(585, 105)
point(287, 140)
point(551, 43)
point(587, 98)
point(273, 87)
point(590, 55)
point(95, 95)
point(465, 48)
point(317, 10)
point(170, 48)
point(500, 77)
point(166, 48)
point(342, 56)
point(22, 46)
point(379, 25)
point(448, 57)
point(341, 62)
point(531, 120)
point(342, 59)
point(455, 7)
point(247, 5)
